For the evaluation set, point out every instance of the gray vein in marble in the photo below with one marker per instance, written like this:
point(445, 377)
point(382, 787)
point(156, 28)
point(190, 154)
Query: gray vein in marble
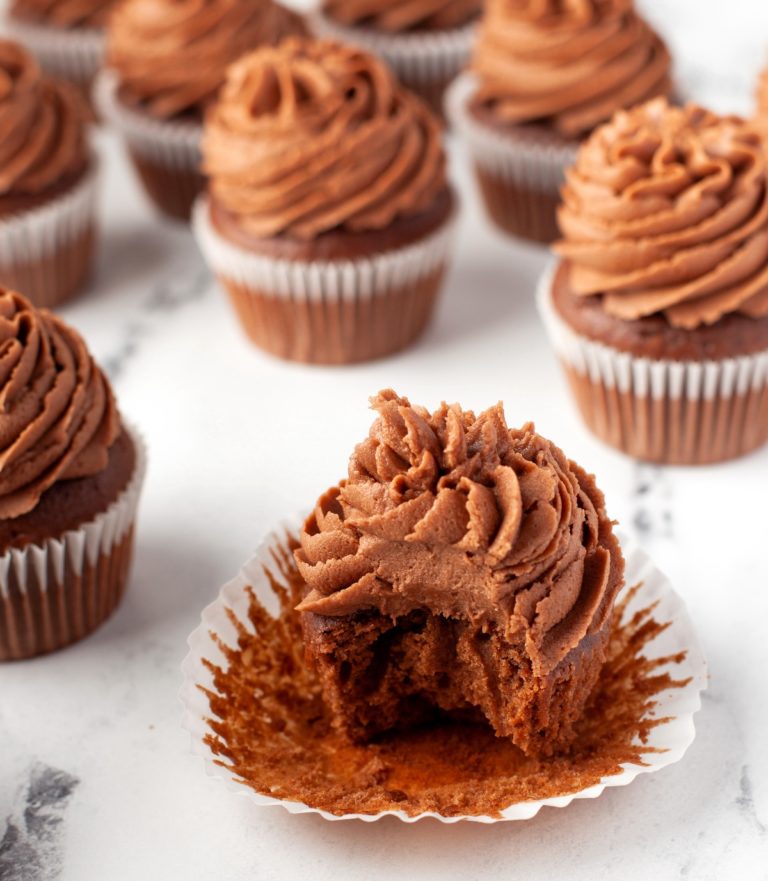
point(745, 801)
point(652, 517)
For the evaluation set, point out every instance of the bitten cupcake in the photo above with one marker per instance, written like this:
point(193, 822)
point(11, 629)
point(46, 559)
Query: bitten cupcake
point(166, 61)
point(328, 217)
point(47, 182)
point(462, 568)
point(426, 42)
point(659, 306)
point(543, 76)
point(70, 476)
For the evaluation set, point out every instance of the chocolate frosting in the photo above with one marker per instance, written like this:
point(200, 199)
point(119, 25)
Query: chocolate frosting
point(666, 212)
point(399, 16)
point(463, 517)
point(58, 417)
point(64, 13)
point(313, 136)
point(42, 127)
point(171, 55)
point(566, 63)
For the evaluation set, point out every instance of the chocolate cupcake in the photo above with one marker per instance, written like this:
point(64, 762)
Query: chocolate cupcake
point(70, 476)
point(462, 568)
point(426, 43)
point(328, 217)
point(166, 61)
point(659, 307)
point(543, 76)
point(47, 182)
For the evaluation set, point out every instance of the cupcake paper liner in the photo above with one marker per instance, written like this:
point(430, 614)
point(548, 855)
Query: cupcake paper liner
point(55, 593)
point(329, 312)
point(670, 412)
point(669, 740)
point(46, 252)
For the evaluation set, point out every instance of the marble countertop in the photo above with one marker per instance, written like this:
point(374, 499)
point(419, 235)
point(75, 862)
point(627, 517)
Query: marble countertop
point(96, 778)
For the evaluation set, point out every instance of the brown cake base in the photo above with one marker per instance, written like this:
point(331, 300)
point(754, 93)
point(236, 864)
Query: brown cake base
point(172, 190)
point(517, 210)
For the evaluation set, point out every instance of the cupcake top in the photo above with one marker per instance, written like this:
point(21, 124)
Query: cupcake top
point(313, 136)
point(466, 518)
point(64, 13)
point(58, 417)
point(402, 16)
point(171, 55)
point(567, 65)
point(42, 129)
point(666, 212)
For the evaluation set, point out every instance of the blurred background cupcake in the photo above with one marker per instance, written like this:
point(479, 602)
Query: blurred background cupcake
point(543, 75)
point(47, 182)
point(166, 61)
point(70, 477)
point(329, 216)
point(425, 42)
point(658, 309)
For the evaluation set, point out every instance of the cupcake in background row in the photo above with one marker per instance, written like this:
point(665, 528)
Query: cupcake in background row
point(543, 76)
point(659, 306)
point(47, 182)
point(166, 60)
point(328, 216)
point(70, 478)
point(425, 42)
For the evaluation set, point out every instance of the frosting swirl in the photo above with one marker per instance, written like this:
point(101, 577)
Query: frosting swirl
point(64, 13)
point(42, 127)
point(468, 519)
point(171, 55)
point(566, 63)
point(58, 417)
point(666, 211)
point(313, 136)
point(399, 16)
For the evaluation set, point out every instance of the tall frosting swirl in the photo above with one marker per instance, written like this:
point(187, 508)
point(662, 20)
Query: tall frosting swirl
point(64, 13)
point(313, 136)
point(666, 211)
point(42, 127)
point(171, 55)
point(566, 63)
point(399, 16)
point(468, 519)
point(58, 417)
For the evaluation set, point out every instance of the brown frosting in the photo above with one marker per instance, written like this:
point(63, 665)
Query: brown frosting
point(666, 212)
point(313, 136)
point(42, 128)
point(569, 64)
point(171, 55)
point(399, 16)
point(465, 518)
point(64, 13)
point(58, 417)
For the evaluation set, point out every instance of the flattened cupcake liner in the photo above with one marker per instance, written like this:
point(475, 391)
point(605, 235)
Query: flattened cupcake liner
point(55, 593)
point(520, 173)
point(668, 742)
point(669, 412)
point(166, 154)
point(47, 252)
point(329, 312)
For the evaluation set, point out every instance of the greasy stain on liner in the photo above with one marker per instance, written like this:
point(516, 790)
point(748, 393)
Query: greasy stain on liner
point(270, 727)
point(30, 849)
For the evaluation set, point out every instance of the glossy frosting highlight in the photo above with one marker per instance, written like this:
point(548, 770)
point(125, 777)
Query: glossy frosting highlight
point(64, 13)
point(401, 16)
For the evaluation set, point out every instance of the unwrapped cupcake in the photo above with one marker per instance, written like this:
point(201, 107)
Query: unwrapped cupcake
point(328, 216)
point(47, 182)
point(658, 308)
point(543, 75)
point(70, 477)
point(426, 42)
point(166, 61)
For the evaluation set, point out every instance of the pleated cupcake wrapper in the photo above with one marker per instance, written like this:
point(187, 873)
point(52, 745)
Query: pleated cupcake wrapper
point(74, 54)
point(672, 737)
point(720, 407)
point(42, 567)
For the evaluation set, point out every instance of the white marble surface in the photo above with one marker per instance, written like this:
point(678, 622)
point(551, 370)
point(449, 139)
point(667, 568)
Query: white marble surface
point(96, 780)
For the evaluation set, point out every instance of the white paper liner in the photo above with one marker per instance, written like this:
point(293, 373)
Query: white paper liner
point(525, 159)
point(329, 281)
point(74, 54)
point(673, 737)
point(172, 144)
